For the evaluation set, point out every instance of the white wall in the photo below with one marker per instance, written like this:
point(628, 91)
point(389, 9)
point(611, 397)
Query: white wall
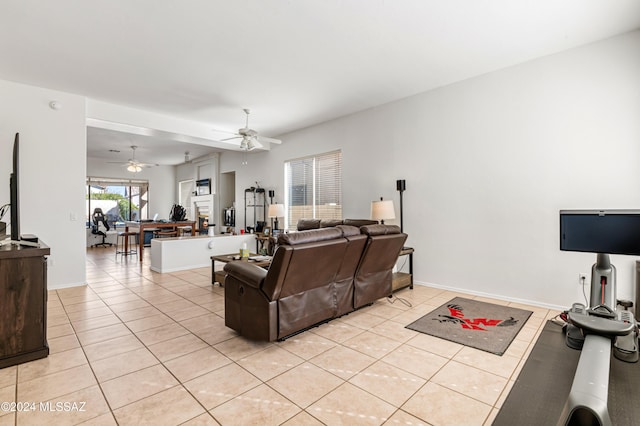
point(489, 162)
point(162, 183)
point(52, 173)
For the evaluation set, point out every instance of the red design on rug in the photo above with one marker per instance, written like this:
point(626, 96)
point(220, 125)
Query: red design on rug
point(457, 316)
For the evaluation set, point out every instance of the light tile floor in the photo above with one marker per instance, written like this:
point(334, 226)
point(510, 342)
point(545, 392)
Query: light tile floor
point(135, 347)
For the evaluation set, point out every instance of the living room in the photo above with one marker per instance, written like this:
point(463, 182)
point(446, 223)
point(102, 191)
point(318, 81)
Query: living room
point(489, 160)
point(466, 207)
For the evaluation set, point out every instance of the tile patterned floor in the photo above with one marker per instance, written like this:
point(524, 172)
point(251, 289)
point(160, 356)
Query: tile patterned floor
point(135, 347)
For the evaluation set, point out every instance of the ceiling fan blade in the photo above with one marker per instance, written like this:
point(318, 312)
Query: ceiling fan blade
point(269, 140)
point(228, 139)
point(226, 132)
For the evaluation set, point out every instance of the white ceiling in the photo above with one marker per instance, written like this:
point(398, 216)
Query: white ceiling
point(149, 149)
point(294, 63)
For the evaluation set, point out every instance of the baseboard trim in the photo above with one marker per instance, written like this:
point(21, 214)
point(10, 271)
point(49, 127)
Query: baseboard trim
point(493, 296)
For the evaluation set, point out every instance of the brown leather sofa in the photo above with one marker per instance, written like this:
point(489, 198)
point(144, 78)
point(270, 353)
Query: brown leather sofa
point(315, 275)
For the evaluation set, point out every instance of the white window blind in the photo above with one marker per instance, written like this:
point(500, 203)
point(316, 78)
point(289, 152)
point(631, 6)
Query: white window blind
point(314, 188)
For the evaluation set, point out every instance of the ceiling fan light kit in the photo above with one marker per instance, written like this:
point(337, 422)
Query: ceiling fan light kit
point(132, 165)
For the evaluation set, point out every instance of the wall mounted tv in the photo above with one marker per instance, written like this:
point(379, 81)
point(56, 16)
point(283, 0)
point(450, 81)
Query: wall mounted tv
point(600, 231)
point(14, 191)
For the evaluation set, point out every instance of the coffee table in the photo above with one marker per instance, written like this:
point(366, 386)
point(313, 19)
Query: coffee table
point(224, 258)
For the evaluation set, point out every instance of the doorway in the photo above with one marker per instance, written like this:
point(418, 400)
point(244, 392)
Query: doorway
point(228, 201)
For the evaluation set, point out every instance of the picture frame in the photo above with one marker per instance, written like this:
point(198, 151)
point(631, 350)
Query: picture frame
point(203, 187)
point(266, 231)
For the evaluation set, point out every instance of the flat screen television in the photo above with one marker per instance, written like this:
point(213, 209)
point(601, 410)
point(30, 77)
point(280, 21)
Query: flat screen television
point(14, 191)
point(600, 231)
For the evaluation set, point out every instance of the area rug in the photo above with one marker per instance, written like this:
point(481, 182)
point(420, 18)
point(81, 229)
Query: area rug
point(480, 325)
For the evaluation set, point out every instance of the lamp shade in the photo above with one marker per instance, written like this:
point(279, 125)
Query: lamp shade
point(383, 209)
point(134, 168)
point(276, 210)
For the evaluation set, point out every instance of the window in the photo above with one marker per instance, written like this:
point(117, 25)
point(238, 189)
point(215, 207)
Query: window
point(119, 199)
point(314, 188)
point(186, 189)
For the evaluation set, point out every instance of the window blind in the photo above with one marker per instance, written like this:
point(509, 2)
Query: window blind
point(314, 188)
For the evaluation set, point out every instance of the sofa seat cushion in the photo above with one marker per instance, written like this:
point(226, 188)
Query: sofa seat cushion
point(306, 224)
point(359, 222)
point(376, 229)
point(330, 223)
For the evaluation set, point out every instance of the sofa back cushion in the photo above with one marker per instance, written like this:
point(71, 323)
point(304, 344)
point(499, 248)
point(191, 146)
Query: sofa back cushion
point(374, 275)
point(304, 260)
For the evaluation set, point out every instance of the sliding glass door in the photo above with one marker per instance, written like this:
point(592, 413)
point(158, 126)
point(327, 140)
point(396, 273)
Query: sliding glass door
point(120, 200)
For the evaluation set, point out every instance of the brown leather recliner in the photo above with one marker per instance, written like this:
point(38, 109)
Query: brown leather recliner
point(375, 271)
point(296, 292)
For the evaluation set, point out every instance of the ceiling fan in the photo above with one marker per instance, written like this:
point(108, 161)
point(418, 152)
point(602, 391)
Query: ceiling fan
point(133, 165)
point(250, 138)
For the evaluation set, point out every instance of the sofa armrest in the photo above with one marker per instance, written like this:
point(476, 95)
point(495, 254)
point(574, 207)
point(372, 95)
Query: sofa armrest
point(247, 273)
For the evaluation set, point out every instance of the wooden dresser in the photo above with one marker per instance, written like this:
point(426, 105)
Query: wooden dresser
point(23, 304)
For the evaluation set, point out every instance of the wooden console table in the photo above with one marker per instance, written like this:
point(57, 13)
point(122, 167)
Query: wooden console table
point(402, 279)
point(141, 226)
point(23, 304)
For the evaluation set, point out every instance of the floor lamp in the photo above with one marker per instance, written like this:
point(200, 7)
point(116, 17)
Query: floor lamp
point(401, 185)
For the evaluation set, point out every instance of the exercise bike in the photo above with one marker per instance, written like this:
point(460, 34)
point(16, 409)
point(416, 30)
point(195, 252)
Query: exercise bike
point(594, 330)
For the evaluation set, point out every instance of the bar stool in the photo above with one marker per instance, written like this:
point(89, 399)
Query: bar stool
point(123, 241)
point(184, 230)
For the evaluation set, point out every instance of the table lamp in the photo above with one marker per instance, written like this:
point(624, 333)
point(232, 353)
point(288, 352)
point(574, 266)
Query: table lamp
point(381, 210)
point(276, 211)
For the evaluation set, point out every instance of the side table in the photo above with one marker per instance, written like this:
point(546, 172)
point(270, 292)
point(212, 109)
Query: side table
point(402, 279)
point(263, 242)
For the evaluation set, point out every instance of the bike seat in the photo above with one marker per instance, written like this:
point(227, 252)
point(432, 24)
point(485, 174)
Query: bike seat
point(601, 325)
